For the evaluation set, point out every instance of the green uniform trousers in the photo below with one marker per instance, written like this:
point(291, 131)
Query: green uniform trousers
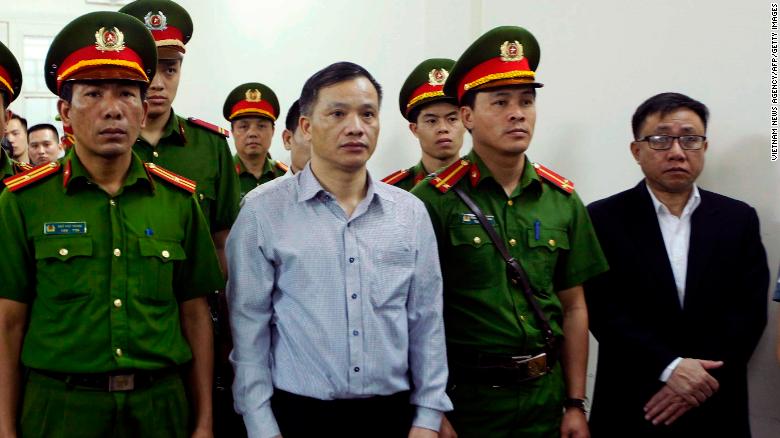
point(529, 409)
point(53, 409)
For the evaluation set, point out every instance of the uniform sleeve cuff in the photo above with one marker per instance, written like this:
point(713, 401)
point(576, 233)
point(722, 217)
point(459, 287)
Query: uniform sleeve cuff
point(261, 424)
point(669, 370)
point(427, 418)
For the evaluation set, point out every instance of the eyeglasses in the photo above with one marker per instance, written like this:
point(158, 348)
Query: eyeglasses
point(664, 142)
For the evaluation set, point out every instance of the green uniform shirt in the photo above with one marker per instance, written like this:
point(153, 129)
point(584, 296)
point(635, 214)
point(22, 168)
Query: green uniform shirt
point(104, 275)
point(200, 155)
point(272, 169)
point(416, 174)
point(9, 168)
point(546, 229)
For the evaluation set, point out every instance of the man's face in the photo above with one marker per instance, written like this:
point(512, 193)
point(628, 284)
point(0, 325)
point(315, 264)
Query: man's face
point(106, 117)
point(162, 90)
point(673, 170)
point(439, 130)
point(44, 146)
point(502, 120)
point(344, 125)
point(299, 147)
point(17, 136)
point(253, 136)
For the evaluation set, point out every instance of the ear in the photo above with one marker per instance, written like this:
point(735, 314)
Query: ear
point(413, 128)
point(63, 108)
point(304, 124)
point(467, 117)
point(635, 150)
point(286, 136)
point(706, 144)
point(145, 105)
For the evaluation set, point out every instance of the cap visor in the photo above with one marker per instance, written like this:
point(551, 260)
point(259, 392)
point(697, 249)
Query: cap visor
point(107, 72)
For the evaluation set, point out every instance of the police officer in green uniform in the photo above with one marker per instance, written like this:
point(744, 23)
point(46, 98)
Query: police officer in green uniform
point(189, 147)
point(433, 119)
point(10, 86)
point(505, 379)
point(107, 262)
point(252, 109)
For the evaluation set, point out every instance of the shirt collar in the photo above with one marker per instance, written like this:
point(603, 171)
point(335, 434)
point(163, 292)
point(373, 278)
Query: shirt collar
point(309, 187)
point(693, 201)
point(76, 175)
point(528, 178)
point(174, 129)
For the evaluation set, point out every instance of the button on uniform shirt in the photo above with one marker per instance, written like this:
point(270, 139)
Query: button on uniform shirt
point(331, 307)
point(104, 276)
point(547, 230)
point(202, 156)
point(247, 182)
point(676, 232)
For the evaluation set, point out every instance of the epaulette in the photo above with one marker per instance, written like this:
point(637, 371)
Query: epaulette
point(281, 166)
point(16, 182)
point(166, 175)
point(396, 177)
point(444, 180)
point(20, 167)
point(206, 125)
point(556, 180)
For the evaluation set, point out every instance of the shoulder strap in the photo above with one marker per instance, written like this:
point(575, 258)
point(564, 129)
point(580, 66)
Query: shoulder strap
point(211, 127)
point(24, 179)
point(516, 273)
point(170, 177)
point(281, 166)
point(396, 177)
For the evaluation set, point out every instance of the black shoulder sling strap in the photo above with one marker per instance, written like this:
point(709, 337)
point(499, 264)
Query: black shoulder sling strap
point(515, 272)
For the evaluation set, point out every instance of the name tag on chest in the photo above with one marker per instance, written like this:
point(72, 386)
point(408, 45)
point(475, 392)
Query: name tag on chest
point(471, 218)
point(55, 228)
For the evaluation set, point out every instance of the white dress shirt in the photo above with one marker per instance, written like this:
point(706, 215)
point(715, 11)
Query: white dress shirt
point(676, 232)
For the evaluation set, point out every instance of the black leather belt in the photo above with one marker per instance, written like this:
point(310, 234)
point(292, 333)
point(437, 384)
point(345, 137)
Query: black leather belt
point(126, 380)
point(497, 369)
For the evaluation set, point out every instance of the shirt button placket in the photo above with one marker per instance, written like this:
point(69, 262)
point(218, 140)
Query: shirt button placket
point(354, 310)
point(117, 283)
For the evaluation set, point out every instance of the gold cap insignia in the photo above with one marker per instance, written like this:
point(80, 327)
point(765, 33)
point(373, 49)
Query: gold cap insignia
point(437, 76)
point(156, 21)
point(511, 51)
point(109, 40)
point(253, 95)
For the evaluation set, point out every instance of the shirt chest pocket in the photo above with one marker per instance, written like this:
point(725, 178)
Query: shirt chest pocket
point(393, 270)
point(158, 268)
point(65, 267)
point(472, 262)
point(544, 250)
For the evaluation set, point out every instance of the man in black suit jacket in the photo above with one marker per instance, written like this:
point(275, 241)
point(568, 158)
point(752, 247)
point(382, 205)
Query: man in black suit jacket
point(683, 306)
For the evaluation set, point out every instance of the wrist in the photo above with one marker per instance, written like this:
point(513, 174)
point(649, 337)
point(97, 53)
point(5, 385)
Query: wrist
point(575, 404)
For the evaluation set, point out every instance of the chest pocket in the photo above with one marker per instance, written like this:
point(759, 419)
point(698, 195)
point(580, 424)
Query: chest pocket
point(65, 267)
point(158, 259)
point(472, 262)
point(393, 268)
point(543, 254)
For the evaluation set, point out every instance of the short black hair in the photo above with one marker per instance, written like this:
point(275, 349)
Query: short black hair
point(66, 91)
point(42, 127)
point(471, 95)
point(293, 115)
point(21, 120)
point(664, 104)
point(331, 75)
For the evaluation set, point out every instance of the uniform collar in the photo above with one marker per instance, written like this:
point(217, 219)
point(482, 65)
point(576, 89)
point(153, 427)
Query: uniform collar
point(6, 168)
point(75, 175)
point(309, 187)
point(479, 172)
point(174, 130)
point(268, 166)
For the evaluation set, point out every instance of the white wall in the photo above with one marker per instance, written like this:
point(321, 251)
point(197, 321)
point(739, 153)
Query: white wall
point(599, 61)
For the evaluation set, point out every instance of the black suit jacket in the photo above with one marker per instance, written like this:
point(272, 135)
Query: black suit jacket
point(636, 316)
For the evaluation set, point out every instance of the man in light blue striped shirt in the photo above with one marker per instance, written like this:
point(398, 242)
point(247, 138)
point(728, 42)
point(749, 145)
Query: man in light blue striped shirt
point(335, 290)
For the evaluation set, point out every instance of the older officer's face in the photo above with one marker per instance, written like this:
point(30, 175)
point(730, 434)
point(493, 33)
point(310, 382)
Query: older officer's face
point(439, 130)
point(344, 125)
point(673, 170)
point(164, 86)
point(502, 120)
point(252, 136)
point(106, 116)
